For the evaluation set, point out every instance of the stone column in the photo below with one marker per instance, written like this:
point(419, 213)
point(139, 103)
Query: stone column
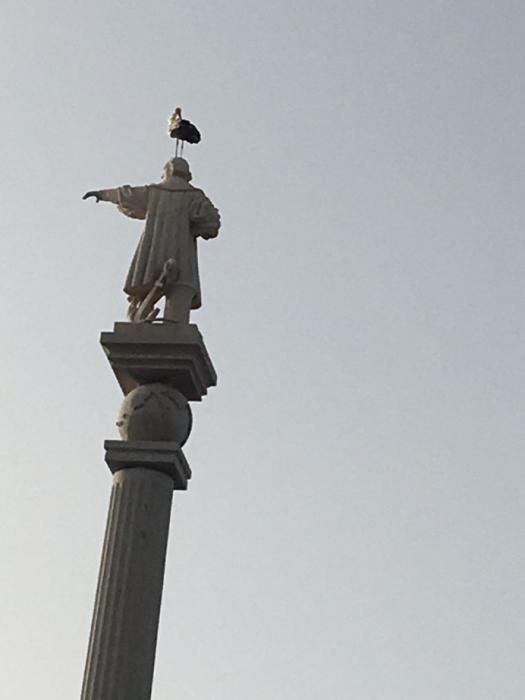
point(147, 467)
point(124, 632)
point(159, 368)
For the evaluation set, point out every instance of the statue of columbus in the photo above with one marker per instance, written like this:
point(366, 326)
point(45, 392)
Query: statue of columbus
point(165, 261)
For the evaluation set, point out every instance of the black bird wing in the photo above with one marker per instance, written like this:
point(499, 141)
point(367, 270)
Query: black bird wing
point(186, 131)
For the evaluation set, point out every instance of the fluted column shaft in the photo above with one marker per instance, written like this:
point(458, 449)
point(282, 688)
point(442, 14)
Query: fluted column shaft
point(123, 638)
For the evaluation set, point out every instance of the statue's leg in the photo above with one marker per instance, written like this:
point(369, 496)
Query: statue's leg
point(178, 304)
point(134, 304)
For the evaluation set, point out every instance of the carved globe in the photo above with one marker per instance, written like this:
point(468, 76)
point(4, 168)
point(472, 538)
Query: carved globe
point(156, 412)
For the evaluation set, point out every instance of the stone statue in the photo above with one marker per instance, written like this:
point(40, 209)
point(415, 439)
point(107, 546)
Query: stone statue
point(165, 261)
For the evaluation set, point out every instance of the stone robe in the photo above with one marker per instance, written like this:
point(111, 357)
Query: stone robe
point(176, 213)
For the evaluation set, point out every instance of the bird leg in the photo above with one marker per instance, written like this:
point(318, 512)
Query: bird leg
point(181, 148)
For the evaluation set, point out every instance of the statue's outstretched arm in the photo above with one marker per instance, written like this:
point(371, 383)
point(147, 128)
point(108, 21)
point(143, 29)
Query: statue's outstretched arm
point(104, 195)
point(131, 201)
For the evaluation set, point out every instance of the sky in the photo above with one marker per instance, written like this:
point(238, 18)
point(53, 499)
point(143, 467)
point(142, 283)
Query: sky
point(353, 528)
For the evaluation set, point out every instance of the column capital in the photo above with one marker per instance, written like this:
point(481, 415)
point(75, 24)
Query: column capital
point(164, 457)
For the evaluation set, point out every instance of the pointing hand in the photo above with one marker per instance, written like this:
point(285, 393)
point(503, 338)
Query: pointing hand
point(92, 193)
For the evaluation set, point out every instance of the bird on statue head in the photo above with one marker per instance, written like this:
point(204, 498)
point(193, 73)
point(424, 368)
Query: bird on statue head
point(182, 130)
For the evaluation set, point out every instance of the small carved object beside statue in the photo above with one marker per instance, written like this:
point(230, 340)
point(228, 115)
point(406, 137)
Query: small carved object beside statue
point(146, 310)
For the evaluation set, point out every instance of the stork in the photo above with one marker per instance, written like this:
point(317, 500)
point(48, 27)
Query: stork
point(182, 130)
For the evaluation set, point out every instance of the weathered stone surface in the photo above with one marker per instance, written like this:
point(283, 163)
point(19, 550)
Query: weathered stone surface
point(123, 639)
point(164, 457)
point(156, 412)
point(168, 353)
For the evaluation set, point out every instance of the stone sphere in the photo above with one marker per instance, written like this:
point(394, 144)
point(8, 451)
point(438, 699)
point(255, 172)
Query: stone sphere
point(155, 412)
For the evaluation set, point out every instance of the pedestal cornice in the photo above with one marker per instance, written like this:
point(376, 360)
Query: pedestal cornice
point(169, 353)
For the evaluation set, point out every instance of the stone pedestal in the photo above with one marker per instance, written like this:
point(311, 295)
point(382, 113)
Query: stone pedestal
point(159, 368)
point(169, 353)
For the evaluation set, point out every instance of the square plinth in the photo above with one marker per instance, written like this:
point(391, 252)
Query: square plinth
point(165, 457)
point(170, 353)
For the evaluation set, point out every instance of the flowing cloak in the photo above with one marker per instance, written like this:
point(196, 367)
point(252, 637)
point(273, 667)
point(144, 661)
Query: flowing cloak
point(176, 213)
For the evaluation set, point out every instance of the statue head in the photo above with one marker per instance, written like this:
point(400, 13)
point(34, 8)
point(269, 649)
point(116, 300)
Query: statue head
point(177, 167)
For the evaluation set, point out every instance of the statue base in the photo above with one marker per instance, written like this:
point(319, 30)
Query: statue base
point(169, 353)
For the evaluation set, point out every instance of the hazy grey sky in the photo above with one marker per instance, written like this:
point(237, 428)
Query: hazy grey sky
point(354, 528)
